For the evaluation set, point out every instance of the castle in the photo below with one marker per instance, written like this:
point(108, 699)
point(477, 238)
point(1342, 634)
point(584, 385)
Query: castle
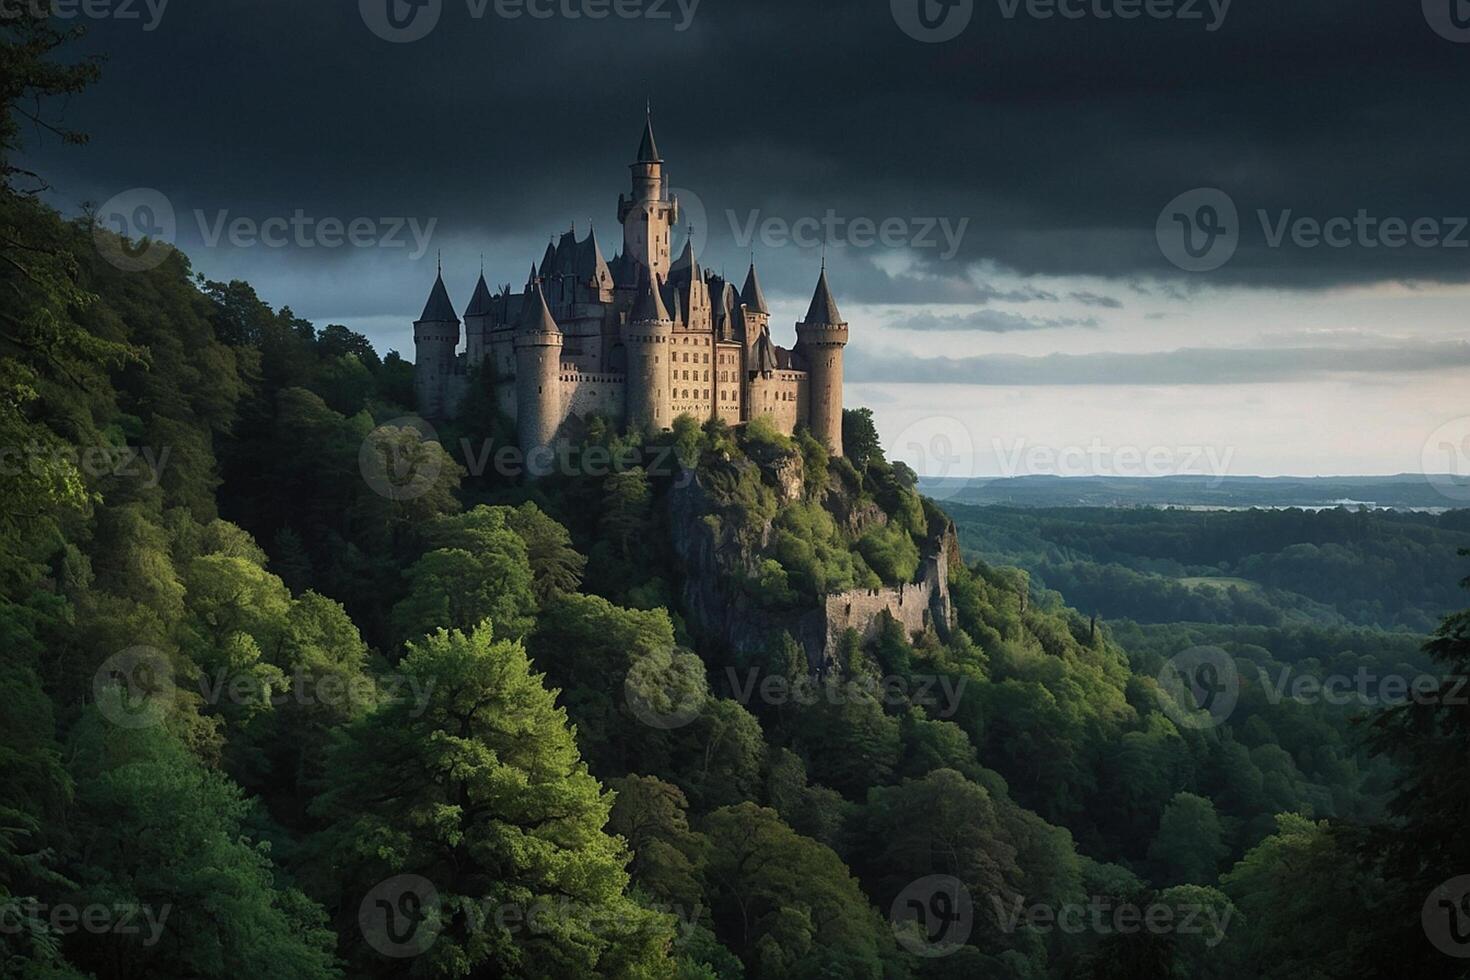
point(639, 340)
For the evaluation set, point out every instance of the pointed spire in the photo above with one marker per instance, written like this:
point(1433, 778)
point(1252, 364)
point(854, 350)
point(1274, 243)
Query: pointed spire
point(824, 308)
point(535, 315)
point(481, 300)
point(751, 294)
point(591, 266)
point(647, 149)
point(439, 309)
point(649, 306)
point(548, 260)
point(686, 264)
point(765, 353)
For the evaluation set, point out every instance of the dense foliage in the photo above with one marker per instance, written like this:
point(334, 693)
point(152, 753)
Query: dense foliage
point(269, 714)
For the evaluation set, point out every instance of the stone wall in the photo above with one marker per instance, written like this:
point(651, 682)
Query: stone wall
point(916, 606)
point(724, 614)
point(592, 394)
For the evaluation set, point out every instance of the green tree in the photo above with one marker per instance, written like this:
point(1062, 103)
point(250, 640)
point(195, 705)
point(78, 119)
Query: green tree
point(1190, 843)
point(482, 791)
point(787, 903)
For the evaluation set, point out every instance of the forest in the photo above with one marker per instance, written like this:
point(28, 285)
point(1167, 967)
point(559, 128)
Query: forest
point(296, 688)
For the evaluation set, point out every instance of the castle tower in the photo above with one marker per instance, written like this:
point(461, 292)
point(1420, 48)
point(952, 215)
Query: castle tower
point(648, 215)
point(477, 323)
point(538, 343)
point(820, 339)
point(646, 338)
point(435, 339)
point(754, 313)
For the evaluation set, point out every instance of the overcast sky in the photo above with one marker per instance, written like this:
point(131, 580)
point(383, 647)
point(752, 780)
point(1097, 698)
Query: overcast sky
point(1005, 210)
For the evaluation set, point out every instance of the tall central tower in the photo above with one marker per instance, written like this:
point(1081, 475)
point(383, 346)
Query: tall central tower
point(648, 215)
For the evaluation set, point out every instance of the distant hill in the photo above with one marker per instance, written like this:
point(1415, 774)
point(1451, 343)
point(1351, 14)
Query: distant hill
point(1406, 491)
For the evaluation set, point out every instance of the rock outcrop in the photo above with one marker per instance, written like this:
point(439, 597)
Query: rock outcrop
point(715, 555)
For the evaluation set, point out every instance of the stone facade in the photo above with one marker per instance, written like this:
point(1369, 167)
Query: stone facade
point(638, 340)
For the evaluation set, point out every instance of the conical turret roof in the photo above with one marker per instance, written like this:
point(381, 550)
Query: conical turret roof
point(481, 301)
point(535, 316)
point(649, 306)
point(439, 309)
point(765, 353)
point(824, 308)
point(686, 266)
point(647, 149)
point(751, 294)
point(591, 266)
point(548, 262)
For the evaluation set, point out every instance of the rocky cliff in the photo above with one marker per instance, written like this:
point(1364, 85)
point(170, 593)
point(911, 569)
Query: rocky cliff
point(715, 554)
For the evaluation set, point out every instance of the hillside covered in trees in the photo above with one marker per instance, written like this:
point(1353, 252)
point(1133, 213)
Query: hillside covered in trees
point(294, 689)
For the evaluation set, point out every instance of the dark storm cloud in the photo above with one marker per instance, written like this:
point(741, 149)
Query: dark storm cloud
point(988, 321)
point(1060, 140)
point(1190, 366)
